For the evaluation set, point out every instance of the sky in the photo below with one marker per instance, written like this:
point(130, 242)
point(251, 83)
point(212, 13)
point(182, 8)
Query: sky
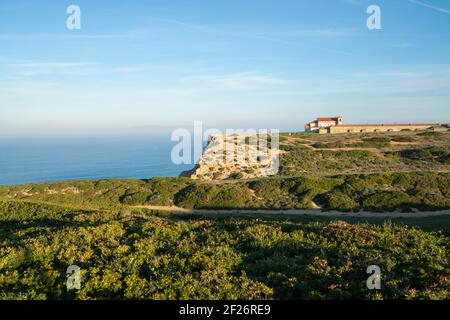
point(147, 66)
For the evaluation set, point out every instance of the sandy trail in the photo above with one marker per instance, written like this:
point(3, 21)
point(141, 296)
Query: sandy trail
point(299, 212)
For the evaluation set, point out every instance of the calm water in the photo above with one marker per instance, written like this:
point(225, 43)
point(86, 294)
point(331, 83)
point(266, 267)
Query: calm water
point(39, 160)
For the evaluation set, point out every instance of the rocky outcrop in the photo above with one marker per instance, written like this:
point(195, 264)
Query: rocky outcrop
point(237, 157)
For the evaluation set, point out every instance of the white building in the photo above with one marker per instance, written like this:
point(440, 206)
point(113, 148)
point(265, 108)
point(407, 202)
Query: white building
point(322, 123)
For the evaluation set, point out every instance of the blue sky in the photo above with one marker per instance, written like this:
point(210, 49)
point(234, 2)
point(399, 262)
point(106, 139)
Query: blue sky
point(142, 66)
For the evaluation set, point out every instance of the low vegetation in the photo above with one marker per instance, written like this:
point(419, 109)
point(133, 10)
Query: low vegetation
point(428, 155)
point(138, 254)
point(326, 155)
point(379, 192)
point(374, 142)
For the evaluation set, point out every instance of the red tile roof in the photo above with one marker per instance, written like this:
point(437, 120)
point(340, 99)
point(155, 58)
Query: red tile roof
point(326, 119)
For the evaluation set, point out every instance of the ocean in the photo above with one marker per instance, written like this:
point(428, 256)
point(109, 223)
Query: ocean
point(56, 159)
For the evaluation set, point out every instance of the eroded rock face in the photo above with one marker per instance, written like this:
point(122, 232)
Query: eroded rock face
point(237, 157)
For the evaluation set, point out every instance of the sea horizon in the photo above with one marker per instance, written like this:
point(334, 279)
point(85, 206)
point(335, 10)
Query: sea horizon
point(26, 160)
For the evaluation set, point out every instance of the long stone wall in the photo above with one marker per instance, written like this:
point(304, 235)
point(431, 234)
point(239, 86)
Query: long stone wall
point(376, 128)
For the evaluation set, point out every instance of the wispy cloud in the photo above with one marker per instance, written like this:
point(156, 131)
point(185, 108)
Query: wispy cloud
point(423, 81)
point(426, 5)
point(51, 65)
point(38, 68)
point(68, 35)
point(322, 32)
point(283, 37)
point(28, 69)
point(236, 81)
point(309, 33)
point(35, 90)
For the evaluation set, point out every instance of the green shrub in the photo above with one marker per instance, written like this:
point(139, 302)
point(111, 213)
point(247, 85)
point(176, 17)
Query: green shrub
point(386, 200)
point(163, 190)
point(404, 139)
point(213, 196)
point(431, 134)
point(329, 145)
point(432, 154)
point(338, 200)
point(22, 211)
point(137, 198)
point(377, 140)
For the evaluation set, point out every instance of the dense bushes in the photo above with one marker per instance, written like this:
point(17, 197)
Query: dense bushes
point(338, 200)
point(404, 139)
point(386, 200)
point(363, 153)
point(163, 190)
point(157, 191)
point(214, 196)
point(434, 154)
point(136, 198)
point(387, 192)
point(140, 256)
point(300, 161)
point(20, 211)
point(289, 193)
point(345, 248)
point(329, 145)
point(99, 193)
point(390, 191)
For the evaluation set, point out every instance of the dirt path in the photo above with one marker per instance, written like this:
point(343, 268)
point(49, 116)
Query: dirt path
point(299, 212)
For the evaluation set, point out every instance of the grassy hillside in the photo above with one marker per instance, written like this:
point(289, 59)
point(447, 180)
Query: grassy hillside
point(315, 154)
point(376, 192)
point(137, 254)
